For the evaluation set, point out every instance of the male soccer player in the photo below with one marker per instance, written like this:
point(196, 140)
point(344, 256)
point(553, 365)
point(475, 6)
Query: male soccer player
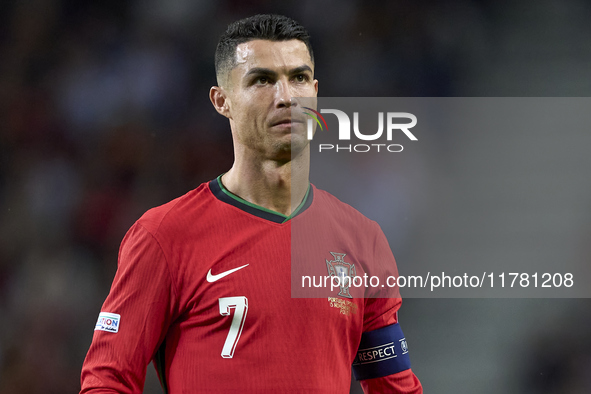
point(203, 282)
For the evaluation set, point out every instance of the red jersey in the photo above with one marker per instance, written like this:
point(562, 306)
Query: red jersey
point(203, 290)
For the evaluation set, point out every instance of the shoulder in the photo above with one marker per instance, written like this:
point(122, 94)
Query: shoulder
point(170, 218)
point(335, 209)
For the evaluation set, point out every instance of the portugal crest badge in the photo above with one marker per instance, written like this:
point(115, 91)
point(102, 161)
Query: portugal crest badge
point(343, 270)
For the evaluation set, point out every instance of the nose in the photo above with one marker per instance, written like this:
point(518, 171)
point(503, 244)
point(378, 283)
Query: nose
point(283, 94)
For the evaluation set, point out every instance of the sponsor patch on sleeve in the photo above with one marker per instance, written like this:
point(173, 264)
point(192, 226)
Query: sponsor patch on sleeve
point(108, 322)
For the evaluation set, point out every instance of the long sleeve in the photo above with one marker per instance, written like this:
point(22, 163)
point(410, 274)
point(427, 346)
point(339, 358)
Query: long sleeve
point(382, 312)
point(143, 296)
point(404, 382)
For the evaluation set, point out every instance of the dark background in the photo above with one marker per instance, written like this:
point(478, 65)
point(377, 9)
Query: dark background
point(104, 113)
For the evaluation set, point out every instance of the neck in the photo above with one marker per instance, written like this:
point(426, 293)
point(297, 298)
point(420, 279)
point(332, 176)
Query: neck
point(276, 185)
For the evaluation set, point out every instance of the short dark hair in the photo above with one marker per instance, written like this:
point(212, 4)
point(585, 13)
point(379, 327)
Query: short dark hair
point(258, 27)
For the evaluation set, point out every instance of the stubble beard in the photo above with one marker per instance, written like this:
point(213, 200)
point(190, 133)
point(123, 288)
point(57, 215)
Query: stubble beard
point(290, 150)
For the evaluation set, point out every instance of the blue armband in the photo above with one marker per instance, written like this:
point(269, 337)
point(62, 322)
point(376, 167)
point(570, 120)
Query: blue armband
point(382, 352)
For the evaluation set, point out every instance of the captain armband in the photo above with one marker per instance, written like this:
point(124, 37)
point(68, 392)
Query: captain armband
point(382, 352)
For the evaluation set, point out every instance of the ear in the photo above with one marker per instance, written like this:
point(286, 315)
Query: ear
point(316, 85)
point(220, 101)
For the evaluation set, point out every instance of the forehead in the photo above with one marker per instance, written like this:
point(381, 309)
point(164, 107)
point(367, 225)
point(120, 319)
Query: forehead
point(272, 54)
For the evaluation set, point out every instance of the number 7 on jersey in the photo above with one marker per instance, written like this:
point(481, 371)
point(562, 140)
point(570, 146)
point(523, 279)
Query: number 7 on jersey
point(241, 306)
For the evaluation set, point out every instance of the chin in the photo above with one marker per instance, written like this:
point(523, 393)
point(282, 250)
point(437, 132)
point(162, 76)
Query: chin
point(298, 146)
point(289, 150)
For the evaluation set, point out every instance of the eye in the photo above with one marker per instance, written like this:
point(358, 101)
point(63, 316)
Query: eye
point(301, 78)
point(262, 81)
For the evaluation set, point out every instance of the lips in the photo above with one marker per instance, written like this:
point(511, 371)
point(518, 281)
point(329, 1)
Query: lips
point(286, 121)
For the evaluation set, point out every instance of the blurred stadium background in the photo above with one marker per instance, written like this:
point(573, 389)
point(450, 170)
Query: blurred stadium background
point(104, 113)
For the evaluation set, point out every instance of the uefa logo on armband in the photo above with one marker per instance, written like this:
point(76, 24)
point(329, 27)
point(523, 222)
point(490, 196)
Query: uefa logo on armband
point(107, 322)
point(403, 345)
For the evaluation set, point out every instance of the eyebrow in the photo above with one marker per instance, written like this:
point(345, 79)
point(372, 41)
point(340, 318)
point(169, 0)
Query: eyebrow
point(271, 73)
point(261, 71)
point(300, 69)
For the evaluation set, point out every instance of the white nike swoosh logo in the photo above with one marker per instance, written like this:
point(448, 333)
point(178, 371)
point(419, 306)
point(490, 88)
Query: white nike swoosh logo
point(212, 278)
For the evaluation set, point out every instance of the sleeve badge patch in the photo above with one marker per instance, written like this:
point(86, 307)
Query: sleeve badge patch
point(107, 322)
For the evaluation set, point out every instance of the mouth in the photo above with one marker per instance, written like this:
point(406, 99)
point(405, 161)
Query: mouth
point(289, 122)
